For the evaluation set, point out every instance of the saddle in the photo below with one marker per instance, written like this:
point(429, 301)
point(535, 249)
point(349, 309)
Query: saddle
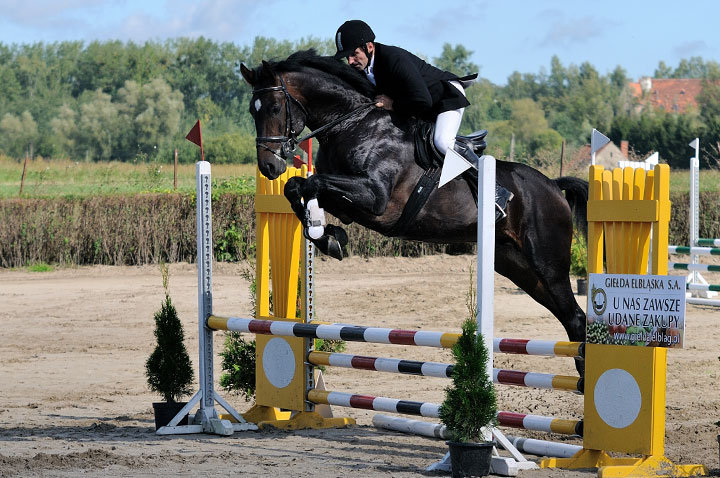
point(429, 158)
point(426, 154)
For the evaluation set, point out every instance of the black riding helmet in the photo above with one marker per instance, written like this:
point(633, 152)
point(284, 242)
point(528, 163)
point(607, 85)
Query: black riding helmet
point(350, 35)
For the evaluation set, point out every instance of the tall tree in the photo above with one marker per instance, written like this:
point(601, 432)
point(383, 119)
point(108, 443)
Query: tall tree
point(663, 71)
point(99, 127)
point(18, 133)
point(150, 114)
point(456, 60)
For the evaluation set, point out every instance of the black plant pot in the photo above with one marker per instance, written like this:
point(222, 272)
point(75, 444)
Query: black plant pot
point(582, 285)
point(166, 411)
point(470, 459)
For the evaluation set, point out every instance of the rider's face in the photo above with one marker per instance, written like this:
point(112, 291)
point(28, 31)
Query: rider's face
point(359, 60)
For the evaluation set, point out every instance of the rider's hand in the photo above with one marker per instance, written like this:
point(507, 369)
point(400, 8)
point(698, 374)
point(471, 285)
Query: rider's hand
point(383, 101)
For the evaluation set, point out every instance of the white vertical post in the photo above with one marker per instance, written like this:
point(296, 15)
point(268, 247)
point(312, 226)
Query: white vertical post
point(308, 315)
point(694, 232)
point(204, 259)
point(485, 294)
point(206, 420)
point(486, 255)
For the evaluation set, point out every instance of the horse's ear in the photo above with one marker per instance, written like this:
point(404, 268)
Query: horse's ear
point(267, 69)
point(248, 74)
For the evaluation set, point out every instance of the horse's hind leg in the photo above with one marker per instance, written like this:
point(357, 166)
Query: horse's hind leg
point(547, 281)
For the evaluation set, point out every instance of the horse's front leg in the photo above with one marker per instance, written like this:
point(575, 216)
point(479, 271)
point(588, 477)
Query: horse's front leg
point(329, 239)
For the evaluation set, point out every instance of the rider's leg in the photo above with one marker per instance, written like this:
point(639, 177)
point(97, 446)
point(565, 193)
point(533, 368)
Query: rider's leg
point(447, 125)
point(446, 128)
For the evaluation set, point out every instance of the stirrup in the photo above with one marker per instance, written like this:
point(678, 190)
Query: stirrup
point(503, 196)
point(499, 213)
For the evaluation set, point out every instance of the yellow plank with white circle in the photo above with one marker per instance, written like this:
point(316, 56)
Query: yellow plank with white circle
point(279, 374)
point(625, 399)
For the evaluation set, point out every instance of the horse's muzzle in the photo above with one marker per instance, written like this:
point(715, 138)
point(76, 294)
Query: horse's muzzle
point(271, 166)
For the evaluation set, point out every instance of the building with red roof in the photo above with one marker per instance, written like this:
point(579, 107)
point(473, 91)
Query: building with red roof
point(672, 95)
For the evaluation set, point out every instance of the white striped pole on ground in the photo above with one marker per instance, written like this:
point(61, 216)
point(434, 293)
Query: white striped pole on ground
point(432, 410)
point(407, 425)
point(703, 301)
point(438, 430)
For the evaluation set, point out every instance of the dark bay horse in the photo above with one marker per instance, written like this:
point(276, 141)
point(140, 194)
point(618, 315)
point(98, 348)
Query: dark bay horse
point(365, 172)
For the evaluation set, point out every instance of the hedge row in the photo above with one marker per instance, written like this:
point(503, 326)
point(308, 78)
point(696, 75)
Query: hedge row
point(133, 230)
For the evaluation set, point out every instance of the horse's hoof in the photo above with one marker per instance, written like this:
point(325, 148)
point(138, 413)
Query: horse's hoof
point(334, 248)
point(329, 246)
point(338, 233)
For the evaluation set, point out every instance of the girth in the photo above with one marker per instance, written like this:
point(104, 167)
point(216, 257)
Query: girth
point(419, 196)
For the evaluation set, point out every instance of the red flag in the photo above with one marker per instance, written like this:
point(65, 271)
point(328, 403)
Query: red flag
point(195, 136)
point(307, 147)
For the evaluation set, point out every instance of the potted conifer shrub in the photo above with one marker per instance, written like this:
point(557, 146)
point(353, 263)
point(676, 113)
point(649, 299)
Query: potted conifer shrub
point(470, 405)
point(168, 369)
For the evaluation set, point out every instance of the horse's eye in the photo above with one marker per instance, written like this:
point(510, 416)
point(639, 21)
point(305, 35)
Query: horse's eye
point(275, 109)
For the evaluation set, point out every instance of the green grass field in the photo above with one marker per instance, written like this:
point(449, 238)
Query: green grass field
point(50, 178)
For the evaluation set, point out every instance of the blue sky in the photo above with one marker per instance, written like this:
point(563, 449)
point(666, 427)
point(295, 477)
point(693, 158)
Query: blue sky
point(505, 35)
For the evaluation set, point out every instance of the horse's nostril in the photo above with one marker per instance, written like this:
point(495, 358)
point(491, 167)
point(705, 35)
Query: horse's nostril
point(272, 168)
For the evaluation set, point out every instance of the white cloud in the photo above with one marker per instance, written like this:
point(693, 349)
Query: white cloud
point(569, 32)
point(135, 20)
point(42, 11)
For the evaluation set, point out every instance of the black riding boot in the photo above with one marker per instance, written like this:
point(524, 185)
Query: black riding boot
point(502, 195)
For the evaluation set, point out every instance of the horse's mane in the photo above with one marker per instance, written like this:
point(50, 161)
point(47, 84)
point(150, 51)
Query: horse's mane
point(310, 59)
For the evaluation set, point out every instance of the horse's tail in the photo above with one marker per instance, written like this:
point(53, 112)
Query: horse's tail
point(576, 194)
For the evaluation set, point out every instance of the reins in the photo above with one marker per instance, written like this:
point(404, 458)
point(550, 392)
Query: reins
point(336, 121)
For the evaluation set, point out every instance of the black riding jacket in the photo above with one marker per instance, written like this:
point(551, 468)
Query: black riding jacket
point(416, 87)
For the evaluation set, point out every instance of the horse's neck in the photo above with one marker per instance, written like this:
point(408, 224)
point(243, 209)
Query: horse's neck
point(327, 103)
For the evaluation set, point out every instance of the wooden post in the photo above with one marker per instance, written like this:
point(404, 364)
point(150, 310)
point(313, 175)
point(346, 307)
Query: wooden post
point(175, 172)
point(22, 180)
point(512, 146)
point(562, 156)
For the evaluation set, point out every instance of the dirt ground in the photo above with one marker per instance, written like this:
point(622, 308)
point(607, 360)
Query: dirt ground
point(74, 400)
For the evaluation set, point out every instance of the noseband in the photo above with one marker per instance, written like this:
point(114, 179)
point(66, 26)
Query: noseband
point(289, 141)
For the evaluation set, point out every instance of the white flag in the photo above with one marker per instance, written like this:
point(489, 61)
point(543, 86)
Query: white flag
point(597, 140)
point(453, 166)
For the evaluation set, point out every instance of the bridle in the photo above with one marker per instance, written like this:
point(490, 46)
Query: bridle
point(289, 141)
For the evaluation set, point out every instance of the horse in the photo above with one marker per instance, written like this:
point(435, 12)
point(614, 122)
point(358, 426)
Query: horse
point(366, 170)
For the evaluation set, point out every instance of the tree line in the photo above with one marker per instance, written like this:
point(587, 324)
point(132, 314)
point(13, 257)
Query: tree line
point(125, 101)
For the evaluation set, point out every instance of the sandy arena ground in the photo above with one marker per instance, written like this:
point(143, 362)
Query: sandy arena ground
point(74, 400)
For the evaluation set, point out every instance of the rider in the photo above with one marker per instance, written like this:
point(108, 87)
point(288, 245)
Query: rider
point(410, 86)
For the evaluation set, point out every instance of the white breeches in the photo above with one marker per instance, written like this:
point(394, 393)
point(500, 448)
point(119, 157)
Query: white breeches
point(447, 125)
